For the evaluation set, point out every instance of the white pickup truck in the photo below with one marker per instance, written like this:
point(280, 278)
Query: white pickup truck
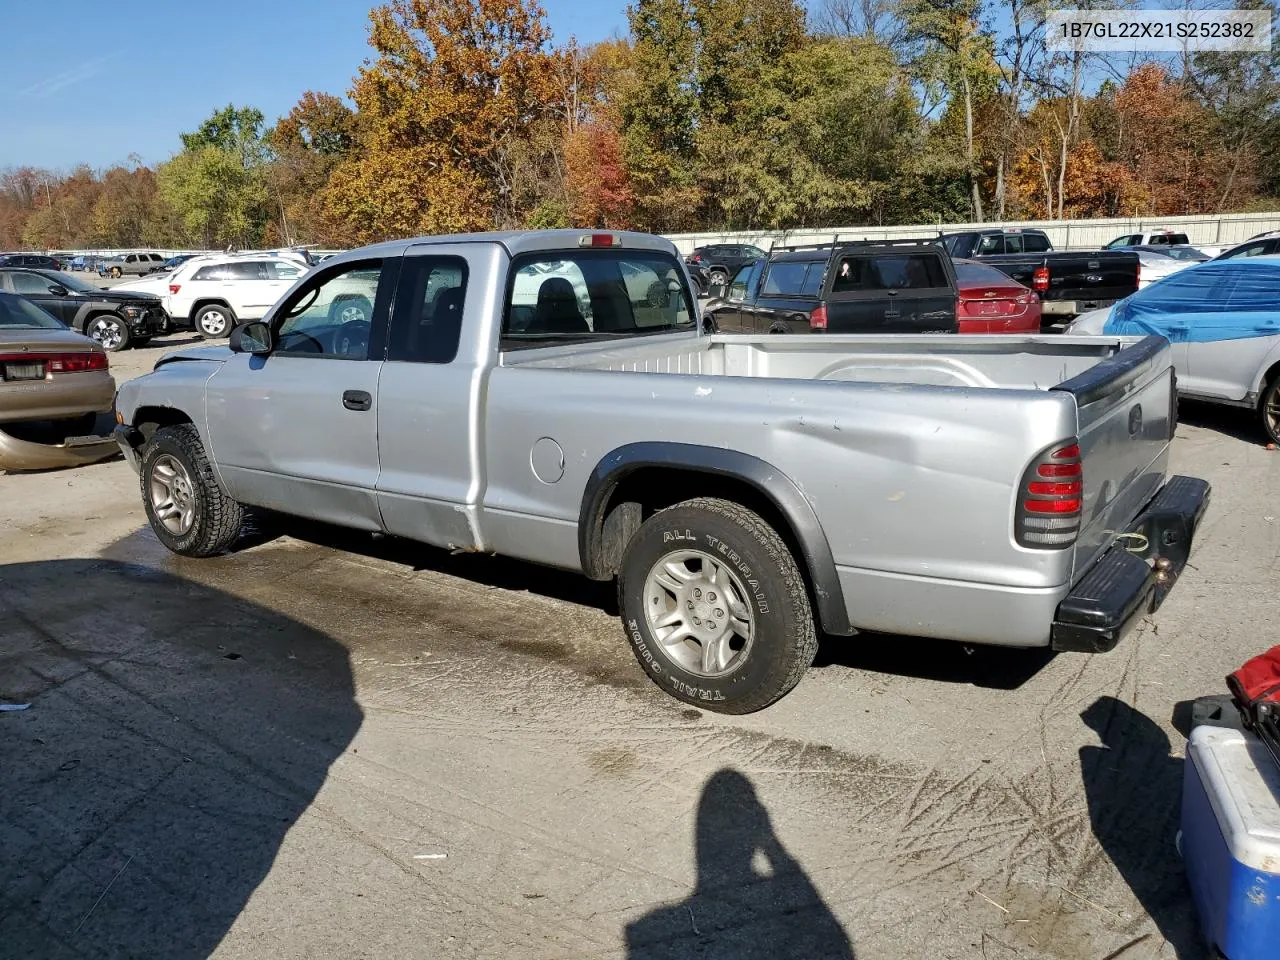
point(551, 396)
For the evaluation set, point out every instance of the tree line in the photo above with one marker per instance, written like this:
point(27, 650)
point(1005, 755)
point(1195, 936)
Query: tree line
point(708, 115)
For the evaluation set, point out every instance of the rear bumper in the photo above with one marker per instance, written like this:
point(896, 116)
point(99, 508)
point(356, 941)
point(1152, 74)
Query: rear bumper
point(1133, 577)
point(1072, 308)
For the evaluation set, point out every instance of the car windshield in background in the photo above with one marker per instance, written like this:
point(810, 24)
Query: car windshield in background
point(70, 281)
point(20, 313)
point(594, 295)
point(976, 274)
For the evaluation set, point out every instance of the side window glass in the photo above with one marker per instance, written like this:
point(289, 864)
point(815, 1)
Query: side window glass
point(331, 316)
point(785, 279)
point(282, 271)
point(738, 289)
point(990, 244)
point(813, 280)
point(29, 283)
point(1035, 243)
point(244, 270)
point(426, 322)
point(1255, 290)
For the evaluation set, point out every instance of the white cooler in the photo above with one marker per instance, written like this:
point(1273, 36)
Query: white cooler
point(1231, 841)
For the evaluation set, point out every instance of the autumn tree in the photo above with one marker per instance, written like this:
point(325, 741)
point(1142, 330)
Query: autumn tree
point(308, 144)
point(455, 91)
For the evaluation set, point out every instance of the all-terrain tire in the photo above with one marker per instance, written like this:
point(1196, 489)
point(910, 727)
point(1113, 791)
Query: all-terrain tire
point(784, 638)
point(217, 517)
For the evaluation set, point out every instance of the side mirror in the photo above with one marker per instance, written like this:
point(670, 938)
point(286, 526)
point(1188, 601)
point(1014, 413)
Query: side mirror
point(716, 291)
point(57, 289)
point(254, 338)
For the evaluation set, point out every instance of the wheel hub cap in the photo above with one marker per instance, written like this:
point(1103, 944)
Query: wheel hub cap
point(698, 611)
point(172, 494)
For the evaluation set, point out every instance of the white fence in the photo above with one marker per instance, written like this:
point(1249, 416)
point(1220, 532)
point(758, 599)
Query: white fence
point(1225, 230)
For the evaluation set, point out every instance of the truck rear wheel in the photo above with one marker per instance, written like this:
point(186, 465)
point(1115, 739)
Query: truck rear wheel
point(715, 607)
point(188, 509)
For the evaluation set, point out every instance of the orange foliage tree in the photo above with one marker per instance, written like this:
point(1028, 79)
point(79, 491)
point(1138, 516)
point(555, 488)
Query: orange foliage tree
point(456, 89)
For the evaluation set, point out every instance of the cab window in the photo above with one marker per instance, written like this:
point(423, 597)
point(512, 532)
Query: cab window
point(594, 295)
point(426, 322)
point(332, 315)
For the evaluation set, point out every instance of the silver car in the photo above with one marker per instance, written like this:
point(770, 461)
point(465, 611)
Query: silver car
point(1222, 319)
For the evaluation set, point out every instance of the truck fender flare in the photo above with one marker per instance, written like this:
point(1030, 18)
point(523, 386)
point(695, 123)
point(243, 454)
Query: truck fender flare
point(772, 483)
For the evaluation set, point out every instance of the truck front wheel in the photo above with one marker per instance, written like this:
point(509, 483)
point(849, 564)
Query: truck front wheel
point(715, 607)
point(188, 510)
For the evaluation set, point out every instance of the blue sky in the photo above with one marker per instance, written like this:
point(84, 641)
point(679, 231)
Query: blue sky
point(94, 82)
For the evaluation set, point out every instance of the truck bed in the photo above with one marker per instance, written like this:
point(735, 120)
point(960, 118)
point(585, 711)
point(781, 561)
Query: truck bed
point(1030, 363)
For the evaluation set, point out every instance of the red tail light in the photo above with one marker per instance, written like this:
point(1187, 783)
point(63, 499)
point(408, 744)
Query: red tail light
point(175, 287)
point(60, 362)
point(1050, 510)
point(77, 362)
point(818, 317)
point(695, 258)
point(1040, 279)
point(600, 240)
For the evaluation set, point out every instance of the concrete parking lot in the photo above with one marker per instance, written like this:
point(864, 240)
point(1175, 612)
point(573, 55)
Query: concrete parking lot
point(332, 745)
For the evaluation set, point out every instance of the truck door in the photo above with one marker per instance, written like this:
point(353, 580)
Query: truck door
point(428, 394)
point(736, 313)
point(297, 430)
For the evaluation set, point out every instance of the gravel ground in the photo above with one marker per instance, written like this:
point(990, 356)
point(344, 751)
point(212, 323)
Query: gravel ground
point(331, 745)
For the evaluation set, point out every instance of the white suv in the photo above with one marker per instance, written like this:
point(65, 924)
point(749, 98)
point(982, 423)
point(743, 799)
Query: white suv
point(213, 294)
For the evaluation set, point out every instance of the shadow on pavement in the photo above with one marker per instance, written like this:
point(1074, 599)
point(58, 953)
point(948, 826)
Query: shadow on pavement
point(1134, 790)
point(998, 668)
point(493, 571)
point(174, 736)
point(752, 899)
point(1231, 421)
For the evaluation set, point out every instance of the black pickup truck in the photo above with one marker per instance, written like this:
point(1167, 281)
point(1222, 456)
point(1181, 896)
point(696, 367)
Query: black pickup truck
point(1069, 282)
point(906, 286)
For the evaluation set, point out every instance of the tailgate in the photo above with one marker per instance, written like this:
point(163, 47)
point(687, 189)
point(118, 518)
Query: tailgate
point(1106, 276)
point(1125, 421)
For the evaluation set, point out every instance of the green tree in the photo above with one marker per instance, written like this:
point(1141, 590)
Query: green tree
point(952, 50)
point(217, 184)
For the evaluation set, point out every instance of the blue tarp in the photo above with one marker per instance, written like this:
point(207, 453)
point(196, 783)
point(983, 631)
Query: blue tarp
point(1223, 300)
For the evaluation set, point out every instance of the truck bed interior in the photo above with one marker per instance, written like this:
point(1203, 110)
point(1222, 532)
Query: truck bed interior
point(1030, 363)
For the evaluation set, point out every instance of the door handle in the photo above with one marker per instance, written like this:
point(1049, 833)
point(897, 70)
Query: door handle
point(357, 400)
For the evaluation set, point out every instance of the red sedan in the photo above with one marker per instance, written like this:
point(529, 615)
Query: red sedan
point(990, 302)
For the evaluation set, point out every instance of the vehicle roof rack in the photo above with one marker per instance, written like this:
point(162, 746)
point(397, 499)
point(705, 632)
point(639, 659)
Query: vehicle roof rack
point(838, 244)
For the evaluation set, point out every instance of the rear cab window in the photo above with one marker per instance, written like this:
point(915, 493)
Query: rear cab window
point(991, 243)
point(575, 296)
point(1035, 243)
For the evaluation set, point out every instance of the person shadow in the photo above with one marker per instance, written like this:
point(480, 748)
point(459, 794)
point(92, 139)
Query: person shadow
point(1133, 787)
point(166, 738)
point(751, 899)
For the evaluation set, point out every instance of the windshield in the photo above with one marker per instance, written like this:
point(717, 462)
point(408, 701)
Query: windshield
point(20, 313)
point(592, 295)
point(70, 281)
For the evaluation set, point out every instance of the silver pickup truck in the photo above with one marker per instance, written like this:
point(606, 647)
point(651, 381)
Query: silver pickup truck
point(551, 396)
